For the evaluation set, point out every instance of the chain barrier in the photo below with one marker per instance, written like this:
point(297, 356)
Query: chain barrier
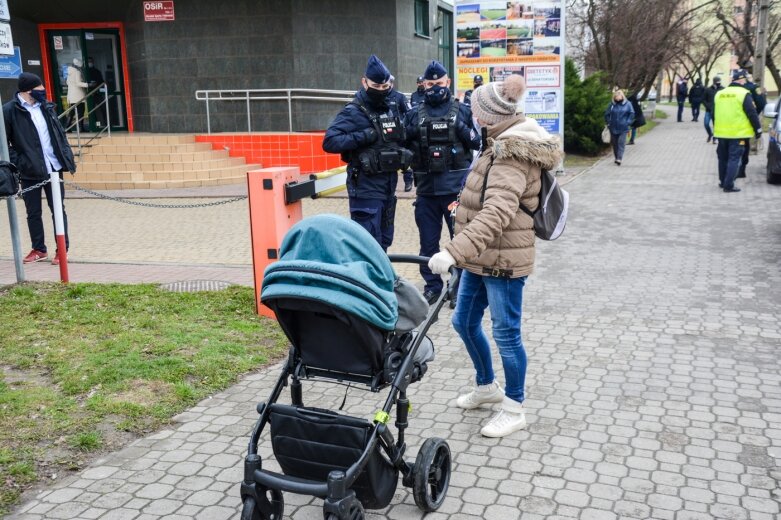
point(128, 201)
point(19, 194)
point(152, 205)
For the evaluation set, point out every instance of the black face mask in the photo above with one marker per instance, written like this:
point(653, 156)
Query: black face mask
point(376, 95)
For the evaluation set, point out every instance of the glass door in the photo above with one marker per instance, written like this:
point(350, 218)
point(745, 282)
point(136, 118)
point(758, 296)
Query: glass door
point(99, 52)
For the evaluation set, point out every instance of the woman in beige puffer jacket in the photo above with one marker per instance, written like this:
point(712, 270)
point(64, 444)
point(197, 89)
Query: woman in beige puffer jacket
point(494, 244)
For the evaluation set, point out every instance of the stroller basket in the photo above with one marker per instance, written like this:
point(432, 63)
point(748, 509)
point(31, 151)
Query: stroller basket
point(309, 443)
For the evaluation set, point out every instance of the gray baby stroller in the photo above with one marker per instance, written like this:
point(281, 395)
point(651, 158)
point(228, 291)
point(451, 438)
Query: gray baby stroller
point(337, 298)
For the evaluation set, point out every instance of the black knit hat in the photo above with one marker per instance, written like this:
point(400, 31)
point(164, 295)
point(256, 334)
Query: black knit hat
point(28, 81)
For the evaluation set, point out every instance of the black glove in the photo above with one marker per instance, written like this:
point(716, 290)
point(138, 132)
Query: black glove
point(758, 134)
point(369, 136)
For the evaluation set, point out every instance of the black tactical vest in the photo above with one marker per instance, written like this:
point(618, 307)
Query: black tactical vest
point(385, 155)
point(439, 145)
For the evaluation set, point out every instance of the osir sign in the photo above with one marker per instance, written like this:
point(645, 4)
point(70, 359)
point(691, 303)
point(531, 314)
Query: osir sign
point(161, 11)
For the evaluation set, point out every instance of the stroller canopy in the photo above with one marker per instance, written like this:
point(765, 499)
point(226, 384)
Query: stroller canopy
point(334, 260)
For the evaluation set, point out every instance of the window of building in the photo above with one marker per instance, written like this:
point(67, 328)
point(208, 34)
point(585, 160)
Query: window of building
point(444, 29)
point(421, 18)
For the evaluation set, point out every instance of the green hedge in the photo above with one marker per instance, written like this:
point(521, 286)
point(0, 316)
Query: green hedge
point(584, 107)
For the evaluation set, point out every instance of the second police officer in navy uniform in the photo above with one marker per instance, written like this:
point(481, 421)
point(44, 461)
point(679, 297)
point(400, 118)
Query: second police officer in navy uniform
point(369, 133)
point(442, 135)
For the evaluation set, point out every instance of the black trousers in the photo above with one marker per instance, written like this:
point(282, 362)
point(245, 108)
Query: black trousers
point(32, 203)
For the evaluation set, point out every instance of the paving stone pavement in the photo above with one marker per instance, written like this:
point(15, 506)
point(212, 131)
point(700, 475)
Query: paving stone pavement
point(654, 383)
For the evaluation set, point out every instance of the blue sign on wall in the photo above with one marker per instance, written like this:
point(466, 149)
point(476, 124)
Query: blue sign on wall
point(11, 66)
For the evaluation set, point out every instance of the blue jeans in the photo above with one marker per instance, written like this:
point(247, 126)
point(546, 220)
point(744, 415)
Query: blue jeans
point(707, 121)
point(730, 154)
point(504, 296)
point(619, 144)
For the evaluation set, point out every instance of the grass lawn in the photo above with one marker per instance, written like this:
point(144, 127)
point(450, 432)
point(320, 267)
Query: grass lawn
point(85, 368)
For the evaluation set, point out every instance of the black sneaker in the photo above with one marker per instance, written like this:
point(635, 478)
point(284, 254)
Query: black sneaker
point(731, 190)
point(431, 296)
point(408, 186)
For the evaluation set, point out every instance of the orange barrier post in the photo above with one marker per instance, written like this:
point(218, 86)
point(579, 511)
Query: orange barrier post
point(270, 218)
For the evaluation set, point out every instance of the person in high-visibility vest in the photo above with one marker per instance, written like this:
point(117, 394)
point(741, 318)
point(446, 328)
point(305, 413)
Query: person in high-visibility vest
point(735, 121)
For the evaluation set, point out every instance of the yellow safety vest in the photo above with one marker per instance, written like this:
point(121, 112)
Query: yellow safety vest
point(731, 121)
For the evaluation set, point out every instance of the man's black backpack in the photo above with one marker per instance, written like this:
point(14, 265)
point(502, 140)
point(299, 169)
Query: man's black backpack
point(550, 217)
point(9, 179)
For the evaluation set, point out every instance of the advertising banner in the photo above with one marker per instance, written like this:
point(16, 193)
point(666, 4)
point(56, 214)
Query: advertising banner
point(498, 38)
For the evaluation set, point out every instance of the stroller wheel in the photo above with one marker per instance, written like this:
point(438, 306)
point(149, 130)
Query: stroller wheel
point(431, 474)
point(273, 510)
point(355, 513)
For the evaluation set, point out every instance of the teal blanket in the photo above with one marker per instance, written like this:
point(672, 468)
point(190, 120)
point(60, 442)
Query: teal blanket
point(334, 260)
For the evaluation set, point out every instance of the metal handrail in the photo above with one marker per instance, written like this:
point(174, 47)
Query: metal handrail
point(77, 123)
point(270, 94)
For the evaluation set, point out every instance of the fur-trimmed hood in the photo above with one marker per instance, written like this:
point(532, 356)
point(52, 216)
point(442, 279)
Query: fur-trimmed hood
point(527, 141)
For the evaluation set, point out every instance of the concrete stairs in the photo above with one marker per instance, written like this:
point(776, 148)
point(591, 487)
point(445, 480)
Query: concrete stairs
point(149, 161)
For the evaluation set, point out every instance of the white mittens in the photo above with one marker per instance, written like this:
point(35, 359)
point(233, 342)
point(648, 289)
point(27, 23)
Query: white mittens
point(441, 262)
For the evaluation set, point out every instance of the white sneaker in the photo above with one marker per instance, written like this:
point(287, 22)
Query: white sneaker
point(482, 394)
point(510, 418)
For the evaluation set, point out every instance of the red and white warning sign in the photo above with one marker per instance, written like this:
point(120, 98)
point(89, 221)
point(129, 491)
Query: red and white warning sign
point(161, 11)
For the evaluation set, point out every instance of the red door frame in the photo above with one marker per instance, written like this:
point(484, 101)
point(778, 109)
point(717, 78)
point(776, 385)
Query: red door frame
point(47, 77)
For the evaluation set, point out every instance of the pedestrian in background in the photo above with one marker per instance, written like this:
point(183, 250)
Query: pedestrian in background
point(710, 94)
point(696, 96)
point(441, 133)
point(619, 116)
point(639, 117)
point(476, 82)
point(77, 89)
point(681, 93)
point(37, 145)
point(369, 134)
point(417, 97)
point(494, 244)
point(735, 121)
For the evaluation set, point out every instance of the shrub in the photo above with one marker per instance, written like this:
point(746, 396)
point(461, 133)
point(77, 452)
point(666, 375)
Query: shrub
point(584, 108)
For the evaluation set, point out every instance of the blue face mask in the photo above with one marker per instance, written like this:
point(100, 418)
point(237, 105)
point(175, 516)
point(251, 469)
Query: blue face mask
point(38, 95)
point(437, 95)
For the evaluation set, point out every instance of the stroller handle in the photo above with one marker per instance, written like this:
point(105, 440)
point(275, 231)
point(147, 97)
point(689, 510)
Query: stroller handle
point(455, 273)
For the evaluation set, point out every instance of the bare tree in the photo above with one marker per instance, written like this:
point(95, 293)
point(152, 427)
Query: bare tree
point(705, 48)
point(632, 41)
point(740, 29)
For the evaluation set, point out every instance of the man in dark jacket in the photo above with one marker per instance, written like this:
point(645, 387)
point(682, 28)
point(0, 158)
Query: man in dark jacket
point(37, 145)
point(442, 135)
point(710, 94)
point(681, 92)
point(369, 133)
point(417, 97)
point(476, 82)
point(696, 96)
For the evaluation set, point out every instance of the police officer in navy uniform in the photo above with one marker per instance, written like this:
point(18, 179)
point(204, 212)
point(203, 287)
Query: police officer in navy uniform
point(399, 101)
point(477, 81)
point(442, 135)
point(369, 134)
point(417, 97)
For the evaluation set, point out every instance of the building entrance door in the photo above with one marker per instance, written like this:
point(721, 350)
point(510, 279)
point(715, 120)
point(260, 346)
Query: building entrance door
point(94, 55)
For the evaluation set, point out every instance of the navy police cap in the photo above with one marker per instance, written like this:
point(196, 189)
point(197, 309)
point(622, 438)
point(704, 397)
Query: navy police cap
point(434, 71)
point(376, 70)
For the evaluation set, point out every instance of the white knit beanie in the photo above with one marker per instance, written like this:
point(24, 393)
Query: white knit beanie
point(498, 101)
